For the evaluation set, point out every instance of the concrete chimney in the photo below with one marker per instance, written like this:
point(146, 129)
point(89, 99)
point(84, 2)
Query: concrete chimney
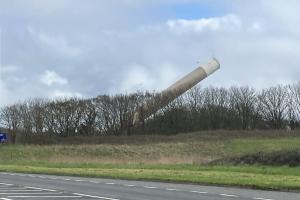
point(175, 90)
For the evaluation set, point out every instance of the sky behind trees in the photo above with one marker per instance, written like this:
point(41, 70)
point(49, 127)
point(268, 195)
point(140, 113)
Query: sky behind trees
point(55, 48)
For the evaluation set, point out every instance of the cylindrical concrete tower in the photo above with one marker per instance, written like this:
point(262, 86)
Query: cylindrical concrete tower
point(175, 90)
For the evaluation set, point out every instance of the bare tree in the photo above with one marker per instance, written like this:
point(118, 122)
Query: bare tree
point(242, 103)
point(294, 105)
point(10, 119)
point(26, 118)
point(273, 106)
point(38, 115)
point(198, 109)
point(216, 107)
point(88, 112)
point(107, 115)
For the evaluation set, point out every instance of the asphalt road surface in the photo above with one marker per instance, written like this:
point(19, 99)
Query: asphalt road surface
point(16, 186)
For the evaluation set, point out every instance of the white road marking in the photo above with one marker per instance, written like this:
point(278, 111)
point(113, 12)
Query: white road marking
point(128, 185)
point(14, 193)
point(21, 190)
point(259, 198)
point(44, 189)
point(93, 181)
point(199, 192)
point(171, 189)
point(96, 197)
point(7, 184)
point(149, 187)
point(44, 196)
point(228, 195)
point(4, 188)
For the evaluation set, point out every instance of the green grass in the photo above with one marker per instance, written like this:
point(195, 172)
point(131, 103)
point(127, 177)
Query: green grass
point(250, 145)
point(277, 178)
point(180, 158)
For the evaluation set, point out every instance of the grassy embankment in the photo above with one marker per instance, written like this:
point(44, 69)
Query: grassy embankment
point(180, 158)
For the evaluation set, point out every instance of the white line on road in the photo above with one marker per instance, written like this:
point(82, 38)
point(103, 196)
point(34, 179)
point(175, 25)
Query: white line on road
point(259, 198)
point(21, 190)
point(5, 199)
point(44, 189)
point(96, 197)
point(228, 195)
point(171, 189)
point(44, 196)
point(149, 187)
point(14, 193)
point(93, 181)
point(128, 185)
point(199, 192)
point(110, 183)
point(7, 184)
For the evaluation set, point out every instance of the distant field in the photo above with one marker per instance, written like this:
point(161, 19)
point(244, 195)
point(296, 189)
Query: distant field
point(182, 157)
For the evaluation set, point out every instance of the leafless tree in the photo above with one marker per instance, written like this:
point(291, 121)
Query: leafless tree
point(216, 106)
point(294, 105)
point(10, 119)
point(273, 106)
point(197, 109)
point(242, 103)
point(87, 124)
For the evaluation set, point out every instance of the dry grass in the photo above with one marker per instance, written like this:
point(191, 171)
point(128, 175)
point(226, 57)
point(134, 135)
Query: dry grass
point(218, 135)
point(192, 148)
point(168, 158)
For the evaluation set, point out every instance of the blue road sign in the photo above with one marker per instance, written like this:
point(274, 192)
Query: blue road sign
point(3, 137)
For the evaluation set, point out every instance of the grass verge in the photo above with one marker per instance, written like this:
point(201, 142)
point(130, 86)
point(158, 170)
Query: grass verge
point(259, 177)
point(178, 158)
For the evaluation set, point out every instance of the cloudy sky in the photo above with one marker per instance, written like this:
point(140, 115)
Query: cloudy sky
point(55, 48)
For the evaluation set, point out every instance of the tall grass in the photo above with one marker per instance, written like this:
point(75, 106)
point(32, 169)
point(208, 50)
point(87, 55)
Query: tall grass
point(180, 158)
point(193, 148)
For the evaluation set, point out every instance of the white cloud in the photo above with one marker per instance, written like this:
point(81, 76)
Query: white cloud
point(54, 43)
point(142, 78)
point(137, 78)
point(283, 14)
point(259, 49)
point(167, 75)
point(59, 44)
point(50, 78)
point(9, 69)
point(65, 94)
point(227, 22)
point(4, 98)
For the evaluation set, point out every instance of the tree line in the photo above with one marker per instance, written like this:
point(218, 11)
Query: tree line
point(200, 108)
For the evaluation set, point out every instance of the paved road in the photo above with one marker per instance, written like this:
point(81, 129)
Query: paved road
point(16, 186)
